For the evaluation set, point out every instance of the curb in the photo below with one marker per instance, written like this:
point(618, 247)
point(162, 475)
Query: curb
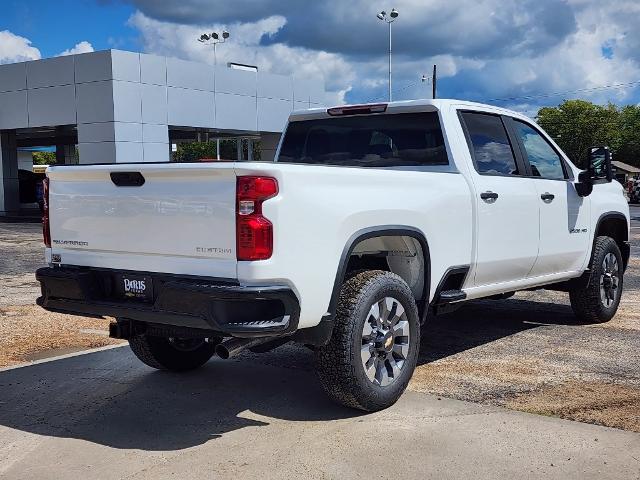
point(62, 357)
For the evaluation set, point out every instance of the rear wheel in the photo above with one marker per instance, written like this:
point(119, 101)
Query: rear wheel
point(173, 354)
point(374, 346)
point(599, 300)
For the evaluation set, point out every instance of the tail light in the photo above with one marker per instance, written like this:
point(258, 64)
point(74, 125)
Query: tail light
point(46, 230)
point(254, 233)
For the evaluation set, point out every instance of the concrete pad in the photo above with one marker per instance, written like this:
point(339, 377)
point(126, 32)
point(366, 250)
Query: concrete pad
point(105, 415)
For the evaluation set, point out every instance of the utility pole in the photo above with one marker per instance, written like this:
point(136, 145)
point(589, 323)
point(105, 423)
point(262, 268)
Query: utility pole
point(389, 19)
point(390, 94)
point(433, 83)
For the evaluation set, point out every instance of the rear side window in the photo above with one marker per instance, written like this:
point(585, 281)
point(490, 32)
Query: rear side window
point(402, 139)
point(544, 160)
point(489, 144)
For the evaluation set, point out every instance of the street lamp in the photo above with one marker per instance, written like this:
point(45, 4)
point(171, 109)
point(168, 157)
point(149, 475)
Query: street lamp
point(214, 39)
point(390, 18)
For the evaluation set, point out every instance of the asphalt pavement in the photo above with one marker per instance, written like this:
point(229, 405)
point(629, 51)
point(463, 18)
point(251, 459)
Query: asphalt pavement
point(105, 415)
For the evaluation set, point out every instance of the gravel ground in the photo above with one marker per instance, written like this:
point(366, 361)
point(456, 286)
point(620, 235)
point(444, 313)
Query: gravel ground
point(526, 353)
point(21, 253)
point(27, 332)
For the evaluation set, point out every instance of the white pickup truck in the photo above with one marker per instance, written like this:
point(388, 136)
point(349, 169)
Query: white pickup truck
point(370, 219)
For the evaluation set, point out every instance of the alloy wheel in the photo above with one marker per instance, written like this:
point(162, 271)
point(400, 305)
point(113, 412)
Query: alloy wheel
point(609, 280)
point(385, 341)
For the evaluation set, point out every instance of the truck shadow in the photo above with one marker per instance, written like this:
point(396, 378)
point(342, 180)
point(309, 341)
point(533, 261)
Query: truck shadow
point(110, 398)
point(484, 321)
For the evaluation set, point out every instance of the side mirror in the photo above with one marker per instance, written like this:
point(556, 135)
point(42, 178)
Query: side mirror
point(584, 186)
point(599, 169)
point(600, 164)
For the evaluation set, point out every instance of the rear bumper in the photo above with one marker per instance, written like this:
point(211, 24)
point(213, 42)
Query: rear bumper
point(220, 306)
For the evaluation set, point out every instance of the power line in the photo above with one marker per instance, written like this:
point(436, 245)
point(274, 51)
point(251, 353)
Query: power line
point(381, 97)
point(526, 97)
point(555, 94)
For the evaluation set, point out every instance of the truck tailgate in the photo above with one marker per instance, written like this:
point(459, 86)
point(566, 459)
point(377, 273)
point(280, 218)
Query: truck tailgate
point(181, 219)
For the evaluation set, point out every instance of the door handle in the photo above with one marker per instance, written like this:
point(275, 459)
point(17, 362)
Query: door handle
point(490, 196)
point(547, 197)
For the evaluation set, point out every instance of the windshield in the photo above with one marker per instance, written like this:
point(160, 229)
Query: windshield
point(402, 139)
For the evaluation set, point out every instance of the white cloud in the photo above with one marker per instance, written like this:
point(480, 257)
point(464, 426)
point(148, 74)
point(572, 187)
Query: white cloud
point(576, 65)
point(166, 38)
point(506, 51)
point(82, 47)
point(14, 48)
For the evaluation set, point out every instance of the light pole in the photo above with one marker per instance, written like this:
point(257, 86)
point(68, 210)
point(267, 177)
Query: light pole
point(214, 39)
point(393, 14)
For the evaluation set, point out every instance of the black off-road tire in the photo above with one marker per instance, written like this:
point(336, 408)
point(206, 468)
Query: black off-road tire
point(586, 300)
point(339, 365)
point(164, 354)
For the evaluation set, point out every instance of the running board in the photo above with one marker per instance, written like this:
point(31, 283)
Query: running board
point(450, 296)
point(449, 301)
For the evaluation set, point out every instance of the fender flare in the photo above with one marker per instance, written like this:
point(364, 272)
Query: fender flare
point(383, 231)
point(624, 247)
point(607, 216)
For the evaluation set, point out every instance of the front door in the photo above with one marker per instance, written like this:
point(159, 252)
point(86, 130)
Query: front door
point(507, 211)
point(564, 215)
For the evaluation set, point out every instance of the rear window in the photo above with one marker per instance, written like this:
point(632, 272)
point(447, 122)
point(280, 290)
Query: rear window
point(402, 139)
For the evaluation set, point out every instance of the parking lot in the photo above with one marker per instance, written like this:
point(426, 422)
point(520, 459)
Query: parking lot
point(104, 414)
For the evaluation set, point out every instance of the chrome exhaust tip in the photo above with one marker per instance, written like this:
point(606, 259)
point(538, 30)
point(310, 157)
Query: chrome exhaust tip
point(233, 346)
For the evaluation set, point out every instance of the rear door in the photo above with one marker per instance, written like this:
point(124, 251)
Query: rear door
point(507, 212)
point(564, 215)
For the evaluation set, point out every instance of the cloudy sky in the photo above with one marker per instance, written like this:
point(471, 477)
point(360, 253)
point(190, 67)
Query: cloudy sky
point(517, 53)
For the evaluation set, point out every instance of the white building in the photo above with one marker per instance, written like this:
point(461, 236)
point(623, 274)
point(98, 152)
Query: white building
point(118, 106)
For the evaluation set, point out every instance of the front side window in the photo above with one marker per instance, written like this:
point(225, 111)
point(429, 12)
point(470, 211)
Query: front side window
point(490, 144)
point(402, 139)
point(544, 160)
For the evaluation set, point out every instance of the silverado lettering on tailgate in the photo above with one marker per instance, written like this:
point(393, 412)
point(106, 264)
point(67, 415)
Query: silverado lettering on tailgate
point(72, 243)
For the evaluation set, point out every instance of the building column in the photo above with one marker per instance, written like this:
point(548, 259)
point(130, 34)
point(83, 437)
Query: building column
point(60, 157)
point(9, 186)
point(123, 142)
point(269, 145)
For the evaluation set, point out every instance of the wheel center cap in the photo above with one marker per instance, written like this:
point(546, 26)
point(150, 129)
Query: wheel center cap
point(387, 342)
point(384, 343)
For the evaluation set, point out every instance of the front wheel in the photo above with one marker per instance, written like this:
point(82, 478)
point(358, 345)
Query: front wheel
point(599, 300)
point(173, 354)
point(373, 350)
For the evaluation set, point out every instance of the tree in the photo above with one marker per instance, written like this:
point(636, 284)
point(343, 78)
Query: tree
point(44, 158)
point(628, 148)
point(576, 125)
point(195, 151)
